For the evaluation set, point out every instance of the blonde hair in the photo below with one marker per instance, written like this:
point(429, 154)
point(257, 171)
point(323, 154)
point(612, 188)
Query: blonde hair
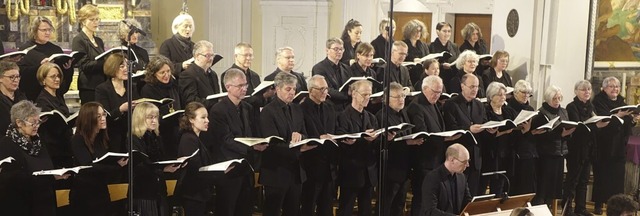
point(35, 24)
point(123, 28)
point(138, 121)
point(44, 69)
point(87, 11)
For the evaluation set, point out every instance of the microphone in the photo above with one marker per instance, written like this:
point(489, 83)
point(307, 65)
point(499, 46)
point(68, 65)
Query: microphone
point(505, 193)
point(134, 29)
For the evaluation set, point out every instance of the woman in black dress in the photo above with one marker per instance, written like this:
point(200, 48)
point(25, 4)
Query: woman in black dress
point(9, 81)
point(112, 94)
point(150, 191)
point(194, 187)
point(413, 33)
point(497, 72)
point(22, 193)
point(89, 194)
point(40, 31)
point(91, 71)
point(443, 43)
point(179, 48)
point(56, 135)
point(351, 36)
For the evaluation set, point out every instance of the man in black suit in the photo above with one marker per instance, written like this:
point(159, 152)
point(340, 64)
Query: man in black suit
point(381, 43)
point(281, 173)
point(321, 163)
point(445, 189)
point(233, 117)
point(426, 115)
point(285, 60)
point(243, 57)
point(335, 72)
point(398, 73)
point(358, 171)
point(465, 112)
point(396, 173)
point(198, 81)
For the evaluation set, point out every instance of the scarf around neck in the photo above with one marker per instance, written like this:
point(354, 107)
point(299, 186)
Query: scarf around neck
point(32, 147)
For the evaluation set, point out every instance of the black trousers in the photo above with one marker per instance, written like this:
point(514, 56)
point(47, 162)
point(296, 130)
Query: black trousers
point(575, 184)
point(282, 201)
point(608, 178)
point(550, 169)
point(417, 176)
point(394, 196)
point(233, 196)
point(473, 179)
point(525, 174)
point(348, 197)
point(317, 197)
point(193, 207)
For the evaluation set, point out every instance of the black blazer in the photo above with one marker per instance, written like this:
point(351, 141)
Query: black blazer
point(526, 145)
point(582, 140)
point(160, 90)
point(192, 184)
point(116, 121)
point(253, 80)
point(335, 79)
point(20, 192)
point(359, 160)
point(398, 160)
point(427, 117)
point(231, 122)
point(5, 109)
point(300, 86)
point(148, 177)
point(30, 63)
point(399, 74)
point(456, 117)
point(91, 71)
point(321, 162)
point(454, 84)
point(612, 139)
point(437, 47)
point(56, 135)
point(280, 164)
point(196, 84)
point(489, 76)
point(380, 45)
point(173, 49)
point(436, 191)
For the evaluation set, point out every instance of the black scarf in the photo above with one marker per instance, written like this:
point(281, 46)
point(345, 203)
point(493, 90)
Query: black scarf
point(610, 104)
point(152, 145)
point(584, 109)
point(32, 147)
point(186, 43)
point(551, 110)
point(516, 105)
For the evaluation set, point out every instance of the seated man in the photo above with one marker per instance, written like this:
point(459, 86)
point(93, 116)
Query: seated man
point(444, 189)
point(621, 205)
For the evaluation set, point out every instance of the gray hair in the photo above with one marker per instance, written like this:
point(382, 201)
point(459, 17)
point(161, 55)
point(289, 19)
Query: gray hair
point(357, 84)
point(179, 20)
point(393, 86)
point(123, 28)
point(385, 23)
point(412, 27)
point(201, 45)
point(582, 84)
point(522, 86)
point(494, 88)
point(608, 80)
point(23, 110)
point(468, 29)
point(284, 78)
point(311, 82)
point(239, 47)
point(280, 50)
point(35, 24)
point(397, 44)
point(551, 92)
point(231, 74)
point(431, 81)
point(464, 57)
point(334, 40)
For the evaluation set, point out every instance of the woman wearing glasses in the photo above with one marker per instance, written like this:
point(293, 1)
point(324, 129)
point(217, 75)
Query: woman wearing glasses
point(41, 31)
point(466, 64)
point(498, 70)
point(89, 194)
point(56, 135)
point(413, 33)
point(22, 193)
point(112, 94)
point(9, 80)
point(91, 72)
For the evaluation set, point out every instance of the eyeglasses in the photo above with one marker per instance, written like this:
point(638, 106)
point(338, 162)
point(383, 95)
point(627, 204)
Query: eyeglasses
point(247, 55)
point(208, 55)
point(364, 95)
point(323, 89)
point(471, 86)
point(46, 30)
point(152, 117)
point(242, 86)
point(337, 49)
point(613, 86)
point(435, 92)
point(35, 125)
point(12, 77)
point(402, 96)
point(94, 19)
point(463, 161)
point(55, 76)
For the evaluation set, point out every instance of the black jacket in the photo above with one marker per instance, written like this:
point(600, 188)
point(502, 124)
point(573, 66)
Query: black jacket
point(380, 45)
point(321, 162)
point(116, 120)
point(480, 47)
point(437, 47)
point(436, 193)
point(148, 177)
point(5, 109)
point(280, 164)
point(29, 67)
point(454, 84)
point(498, 147)
point(193, 184)
point(526, 145)
point(336, 75)
point(56, 135)
point(399, 74)
point(582, 140)
point(456, 117)
point(177, 50)
point(159, 91)
point(550, 143)
point(196, 84)
point(613, 138)
point(300, 86)
point(489, 76)
point(398, 160)
point(357, 161)
point(91, 70)
point(427, 117)
point(349, 52)
point(231, 122)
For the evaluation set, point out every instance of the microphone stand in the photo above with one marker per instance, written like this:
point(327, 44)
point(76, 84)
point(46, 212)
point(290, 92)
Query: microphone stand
point(130, 68)
point(384, 147)
point(505, 194)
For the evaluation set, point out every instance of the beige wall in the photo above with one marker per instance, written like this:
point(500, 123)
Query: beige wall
point(256, 35)
point(164, 11)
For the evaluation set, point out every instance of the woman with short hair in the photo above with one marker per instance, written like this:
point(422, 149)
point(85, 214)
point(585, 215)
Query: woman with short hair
point(466, 64)
point(524, 177)
point(497, 72)
point(179, 48)
point(9, 92)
